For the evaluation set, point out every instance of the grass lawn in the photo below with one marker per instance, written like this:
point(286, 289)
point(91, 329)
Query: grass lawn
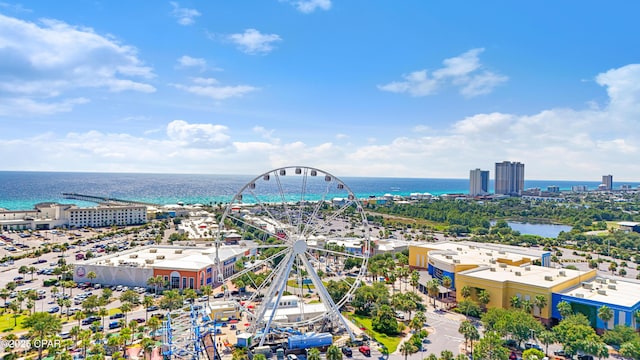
point(391, 342)
point(6, 322)
point(294, 283)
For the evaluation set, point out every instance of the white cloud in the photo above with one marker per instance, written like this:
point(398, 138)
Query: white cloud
point(464, 72)
point(309, 6)
point(28, 106)
point(209, 87)
point(185, 16)
point(342, 136)
point(40, 62)
point(198, 135)
point(560, 143)
point(15, 7)
point(254, 42)
point(188, 61)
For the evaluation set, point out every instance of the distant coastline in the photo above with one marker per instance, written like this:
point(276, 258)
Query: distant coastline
point(21, 190)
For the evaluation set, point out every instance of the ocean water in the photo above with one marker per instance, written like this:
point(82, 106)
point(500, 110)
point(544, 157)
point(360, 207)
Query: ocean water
point(22, 190)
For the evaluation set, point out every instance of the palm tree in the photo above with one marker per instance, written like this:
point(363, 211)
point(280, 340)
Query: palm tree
point(125, 308)
point(147, 301)
point(334, 353)
point(527, 306)
point(79, 315)
point(414, 279)
point(605, 314)
point(564, 308)
point(312, 354)
point(4, 294)
point(74, 332)
point(446, 355)
point(147, 345)
point(515, 302)
point(103, 312)
point(433, 290)
point(470, 333)
point(207, 290)
point(540, 301)
point(91, 275)
point(636, 317)
point(407, 348)
point(42, 325)
point(465, 292)
point(484, 298)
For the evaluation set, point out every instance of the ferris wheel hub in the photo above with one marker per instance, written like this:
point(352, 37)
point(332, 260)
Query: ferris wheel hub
point(299, 247)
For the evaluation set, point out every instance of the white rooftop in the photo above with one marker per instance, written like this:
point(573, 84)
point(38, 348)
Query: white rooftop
point(171, 257)
point(540, 276)
point(609, 291)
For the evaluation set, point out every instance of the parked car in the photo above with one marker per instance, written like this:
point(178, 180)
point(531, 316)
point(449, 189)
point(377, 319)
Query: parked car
point(532, 346)
point(347, 351)
point(116, 316)
point(153, 308)
point(365, 350)
point(54, 310)
point(114, 325)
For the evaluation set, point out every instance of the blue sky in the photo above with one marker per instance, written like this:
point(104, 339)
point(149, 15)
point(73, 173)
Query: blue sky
point(357, 87)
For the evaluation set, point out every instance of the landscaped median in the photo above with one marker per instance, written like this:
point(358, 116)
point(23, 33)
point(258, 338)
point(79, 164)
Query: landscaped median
point(390, 342)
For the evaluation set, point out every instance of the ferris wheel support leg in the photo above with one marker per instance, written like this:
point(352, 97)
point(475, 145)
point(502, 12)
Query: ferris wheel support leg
point(282, 282)
point(322, 291)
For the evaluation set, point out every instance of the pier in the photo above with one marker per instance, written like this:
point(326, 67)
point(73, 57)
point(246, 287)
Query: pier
point(107, 200)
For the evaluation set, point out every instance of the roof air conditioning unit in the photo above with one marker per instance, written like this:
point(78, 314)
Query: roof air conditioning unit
point(602, 292)
point(611, 286)
point(153, 251)
point(548, 278)
point(580, 295)
point(160, 257)
point(493, 269)
point(612, 281)
point(149, 261)
point(587, 286)
point(121, 261)
point(562, 273)
point(527, 268)
point(178, 251)
point(503, 265)
point(501, 252)
point(133, 256)
point(456, 261)
point(493, 261)
point(459, 249)
point(518, 273)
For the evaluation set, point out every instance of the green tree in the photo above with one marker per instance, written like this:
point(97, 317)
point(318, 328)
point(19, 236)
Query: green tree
point(334, 353)
point(407, 348)
point(605, 314)
point(385, 321)
point(414, 280)
point(564, 308)
point(515, 302)
point(532, 354)
point(547, 338)
point(312, 354)
point(433, 290)
point(540, 301)
point(465, 292)
point(42, 325)
point(490, 348)
point(469, 331)
point(91, 275)
point(484, 298)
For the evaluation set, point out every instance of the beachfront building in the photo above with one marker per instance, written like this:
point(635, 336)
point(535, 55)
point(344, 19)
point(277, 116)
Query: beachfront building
point(607, 183)
point(512, 286)
point(587, 297)
point(509, 178)
point(478, 182)
point(449, 258)
point(46, 216)
point(222, 311)
point(181, 267)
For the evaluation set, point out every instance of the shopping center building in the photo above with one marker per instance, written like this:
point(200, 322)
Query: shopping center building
point(187, 267)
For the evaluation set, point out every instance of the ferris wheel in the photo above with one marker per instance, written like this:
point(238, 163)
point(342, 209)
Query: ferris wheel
point(308, 229)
